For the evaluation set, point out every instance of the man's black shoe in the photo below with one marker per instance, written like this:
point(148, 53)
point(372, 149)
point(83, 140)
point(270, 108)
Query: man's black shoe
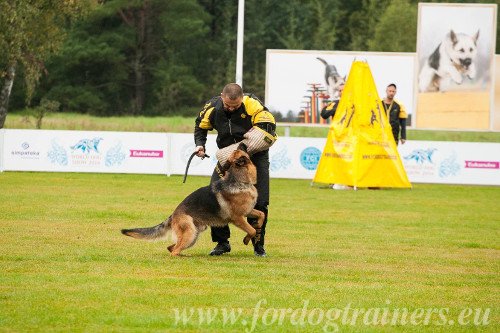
point(221, 248)
point(258, 250)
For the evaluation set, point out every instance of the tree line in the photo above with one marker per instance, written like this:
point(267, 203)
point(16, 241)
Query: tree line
point(166, 57)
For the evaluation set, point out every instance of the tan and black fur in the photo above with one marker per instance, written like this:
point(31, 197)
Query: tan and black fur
point(228, 200)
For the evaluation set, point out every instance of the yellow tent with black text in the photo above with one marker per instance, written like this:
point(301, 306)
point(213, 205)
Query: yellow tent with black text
point(360, 150)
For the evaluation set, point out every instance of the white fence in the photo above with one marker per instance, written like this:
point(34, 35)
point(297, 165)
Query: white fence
point(167, 153)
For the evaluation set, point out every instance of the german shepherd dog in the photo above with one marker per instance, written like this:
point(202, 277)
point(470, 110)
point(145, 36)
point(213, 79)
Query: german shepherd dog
point(228, 200)
point(452, 61)
point(333, 79)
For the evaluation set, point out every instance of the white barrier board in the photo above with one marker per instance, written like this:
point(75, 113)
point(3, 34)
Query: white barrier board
point(182, 146)
point(82, 151)
point(451, 162)
point(157, 153)
point(295, 157)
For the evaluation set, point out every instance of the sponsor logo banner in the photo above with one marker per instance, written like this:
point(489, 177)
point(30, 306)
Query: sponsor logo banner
point(146, 153)
point(482, 165)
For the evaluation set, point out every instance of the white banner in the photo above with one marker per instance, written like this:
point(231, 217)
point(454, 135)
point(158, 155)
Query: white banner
point(295, 157)
point(182, 146)
point(81, 151)
point(157, 153)
point(2, 133)
point(451, 162)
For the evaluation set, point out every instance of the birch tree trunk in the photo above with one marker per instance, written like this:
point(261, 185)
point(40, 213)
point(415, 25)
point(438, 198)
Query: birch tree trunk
point(5, 93)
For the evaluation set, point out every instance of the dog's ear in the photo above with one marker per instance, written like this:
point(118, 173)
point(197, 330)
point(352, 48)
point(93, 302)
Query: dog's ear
point(243, 147)
point(476, 36)
point(453, 37)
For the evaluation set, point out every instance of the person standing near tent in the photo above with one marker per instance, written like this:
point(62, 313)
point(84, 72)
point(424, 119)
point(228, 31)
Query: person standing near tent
point(329, 110)
point(396, 113)
point(233, 114)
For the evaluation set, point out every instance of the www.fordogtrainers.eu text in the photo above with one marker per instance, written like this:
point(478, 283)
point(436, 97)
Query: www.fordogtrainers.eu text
point(331, 319)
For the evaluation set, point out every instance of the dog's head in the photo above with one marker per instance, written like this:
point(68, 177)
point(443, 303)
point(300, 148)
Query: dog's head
point(241, 167)
point(462, 48)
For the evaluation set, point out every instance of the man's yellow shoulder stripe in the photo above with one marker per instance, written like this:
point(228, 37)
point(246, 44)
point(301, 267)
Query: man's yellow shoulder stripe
point(263, 116)
point(402, 110)
point(257, 111)
point(205, 118)
point(252, 106)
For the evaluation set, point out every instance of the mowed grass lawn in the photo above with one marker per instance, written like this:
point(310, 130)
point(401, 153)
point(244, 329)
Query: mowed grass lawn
point(66, 267)
point(83, 122)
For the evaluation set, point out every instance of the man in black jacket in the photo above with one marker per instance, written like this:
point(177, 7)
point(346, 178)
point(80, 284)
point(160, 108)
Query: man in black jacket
point(329, 110)
point(396, 114)
point(233, 114)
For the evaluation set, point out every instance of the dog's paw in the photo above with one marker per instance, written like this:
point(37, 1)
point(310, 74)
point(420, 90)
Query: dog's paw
point(458, 79)
point(246, 240)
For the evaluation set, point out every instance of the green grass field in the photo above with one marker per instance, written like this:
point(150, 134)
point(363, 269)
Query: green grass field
point(72, 121)
point(432, 251)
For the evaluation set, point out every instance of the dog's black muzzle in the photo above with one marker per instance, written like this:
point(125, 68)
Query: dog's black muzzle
point(466, 62)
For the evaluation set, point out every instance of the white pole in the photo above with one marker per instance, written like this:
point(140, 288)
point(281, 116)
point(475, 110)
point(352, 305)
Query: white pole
point(239, 43)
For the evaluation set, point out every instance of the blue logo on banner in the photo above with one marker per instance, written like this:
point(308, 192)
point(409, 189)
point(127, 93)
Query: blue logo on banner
point(87, 145)
point(279, 159)
point(309, 158)
point(58, 154)
point(421, 155)
point(449, 166)
point(115, 156)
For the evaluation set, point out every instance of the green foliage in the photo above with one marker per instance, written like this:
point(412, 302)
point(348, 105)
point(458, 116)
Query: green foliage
point(46, 106)
point(395, 30)
point(30, 31)
point(176, 88)
point(159, 57)
point(131, 58)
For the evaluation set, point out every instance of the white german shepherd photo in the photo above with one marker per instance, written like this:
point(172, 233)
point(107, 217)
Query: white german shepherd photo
point(452, 60)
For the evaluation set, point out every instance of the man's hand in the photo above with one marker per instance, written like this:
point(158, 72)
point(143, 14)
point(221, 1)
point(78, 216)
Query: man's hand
point(403, 141)
point(200, 151)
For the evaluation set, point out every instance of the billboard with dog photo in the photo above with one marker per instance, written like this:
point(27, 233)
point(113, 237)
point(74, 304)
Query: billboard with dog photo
point(455, 52)
point(298, 81)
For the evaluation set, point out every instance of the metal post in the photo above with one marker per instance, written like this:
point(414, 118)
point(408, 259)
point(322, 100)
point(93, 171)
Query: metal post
point(239, 43)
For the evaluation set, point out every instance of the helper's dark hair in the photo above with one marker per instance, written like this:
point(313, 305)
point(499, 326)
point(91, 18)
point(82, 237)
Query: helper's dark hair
point(232, 91)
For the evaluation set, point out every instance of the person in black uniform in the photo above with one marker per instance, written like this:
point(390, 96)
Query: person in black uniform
point(232, 114)
point(396, 113)
point(329, 110)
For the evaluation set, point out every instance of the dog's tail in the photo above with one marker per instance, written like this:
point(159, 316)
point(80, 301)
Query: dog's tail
point(157, 232)
point(322, 60)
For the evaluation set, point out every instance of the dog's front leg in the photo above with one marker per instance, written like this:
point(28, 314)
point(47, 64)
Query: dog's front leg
point(456, 75)
point(444, 84)
point(471, 74)
point(260, 216)
point(241, 222)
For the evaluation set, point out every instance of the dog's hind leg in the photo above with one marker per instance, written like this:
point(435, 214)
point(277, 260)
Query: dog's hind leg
point(186, 233)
